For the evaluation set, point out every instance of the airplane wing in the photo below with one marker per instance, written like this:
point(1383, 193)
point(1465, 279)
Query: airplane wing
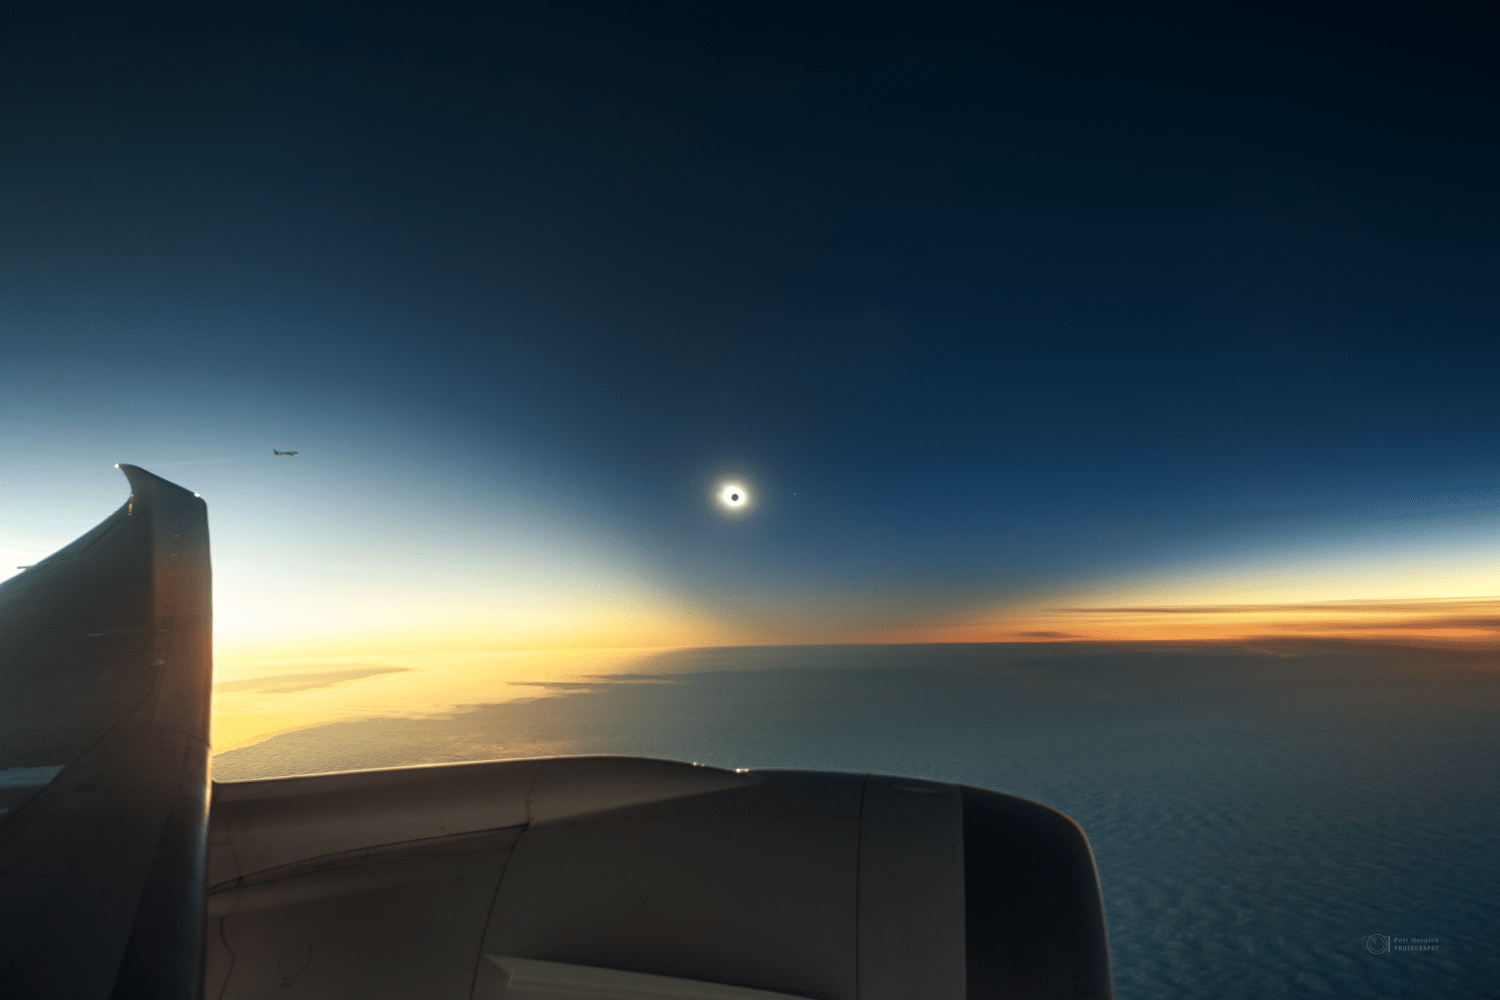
point(544, 879)
point(106, 666)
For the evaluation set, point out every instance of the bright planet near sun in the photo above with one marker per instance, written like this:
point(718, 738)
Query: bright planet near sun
point(733, 495)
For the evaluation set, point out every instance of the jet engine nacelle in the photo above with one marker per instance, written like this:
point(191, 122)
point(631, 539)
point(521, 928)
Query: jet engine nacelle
point(617, 877)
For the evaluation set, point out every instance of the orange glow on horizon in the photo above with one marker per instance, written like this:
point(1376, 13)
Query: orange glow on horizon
point(275, 683)
point(1422, 621)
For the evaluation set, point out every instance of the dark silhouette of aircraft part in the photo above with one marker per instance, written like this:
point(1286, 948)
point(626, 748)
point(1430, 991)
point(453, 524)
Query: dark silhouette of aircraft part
point(275, 452)
point(106, 662)
point(541, 879)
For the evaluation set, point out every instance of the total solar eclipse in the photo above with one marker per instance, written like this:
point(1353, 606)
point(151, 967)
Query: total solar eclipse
point(733, 496)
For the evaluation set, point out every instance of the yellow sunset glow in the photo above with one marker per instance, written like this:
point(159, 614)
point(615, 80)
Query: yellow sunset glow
point(259, 696)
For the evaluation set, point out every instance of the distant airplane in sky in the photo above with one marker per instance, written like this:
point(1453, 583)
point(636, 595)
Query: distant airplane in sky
point(275, 452)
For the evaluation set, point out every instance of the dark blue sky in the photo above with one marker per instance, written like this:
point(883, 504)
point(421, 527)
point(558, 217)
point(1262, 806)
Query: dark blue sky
point(1009, 297)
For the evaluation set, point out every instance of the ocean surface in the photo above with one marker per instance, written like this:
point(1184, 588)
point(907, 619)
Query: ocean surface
point(1293, 819)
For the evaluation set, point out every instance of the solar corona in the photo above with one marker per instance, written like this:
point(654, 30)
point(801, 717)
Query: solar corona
point(734, 496)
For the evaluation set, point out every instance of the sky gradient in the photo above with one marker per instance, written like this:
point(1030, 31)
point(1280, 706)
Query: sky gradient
point(1032, 323)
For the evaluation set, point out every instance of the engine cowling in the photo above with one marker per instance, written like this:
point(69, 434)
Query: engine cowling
point(624, 877)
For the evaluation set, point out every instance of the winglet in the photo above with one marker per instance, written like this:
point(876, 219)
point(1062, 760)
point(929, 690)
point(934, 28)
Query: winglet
point(144, 484)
